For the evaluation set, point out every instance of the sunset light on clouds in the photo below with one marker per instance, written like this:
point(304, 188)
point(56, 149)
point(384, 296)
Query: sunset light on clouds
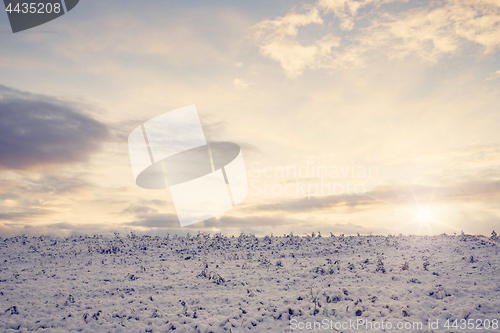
point(352, 116)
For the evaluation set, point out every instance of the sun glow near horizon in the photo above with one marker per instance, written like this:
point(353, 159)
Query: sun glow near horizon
point(424, 216)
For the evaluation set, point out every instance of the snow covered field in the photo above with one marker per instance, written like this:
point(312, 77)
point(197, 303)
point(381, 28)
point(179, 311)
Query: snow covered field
point(236, 284)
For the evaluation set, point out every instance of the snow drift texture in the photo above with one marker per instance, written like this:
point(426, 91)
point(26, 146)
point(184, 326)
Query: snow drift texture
point(220, 284)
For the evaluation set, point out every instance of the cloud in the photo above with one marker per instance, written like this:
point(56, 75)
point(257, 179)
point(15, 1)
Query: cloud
point(155, 220)
point(240, 84)
point(430, 31)
point(313, 203)
point(400, 195)
point(138, 209)
point(55, 229)
point(294, 57)
point(268, 224)
point(494, 76)
point(27, 214)
point(32, 198)
point(288, 25)
point(53, 185)
point(246, 221)
point(477, 21)
point(37, 130)
point(279, 42)
point(346, 10)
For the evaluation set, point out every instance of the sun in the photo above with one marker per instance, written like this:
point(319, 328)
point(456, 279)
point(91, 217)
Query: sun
point(423, 216)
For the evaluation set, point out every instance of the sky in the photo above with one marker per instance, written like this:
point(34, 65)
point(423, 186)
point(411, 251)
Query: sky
point(369, 117)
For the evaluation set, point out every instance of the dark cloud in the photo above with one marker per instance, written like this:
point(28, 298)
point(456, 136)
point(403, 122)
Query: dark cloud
point(147, 217)
point(466, 191)
point(38, 130)
point(266, 225)
point(246, 221)
point(313, 203)
point(26, 214)
point(478, 191)
point(139, 210)
point(142, 207)
point(155, 221)
point(62, 226)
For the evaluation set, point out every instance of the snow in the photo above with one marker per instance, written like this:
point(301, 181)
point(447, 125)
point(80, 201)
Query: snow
point(237, 284)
